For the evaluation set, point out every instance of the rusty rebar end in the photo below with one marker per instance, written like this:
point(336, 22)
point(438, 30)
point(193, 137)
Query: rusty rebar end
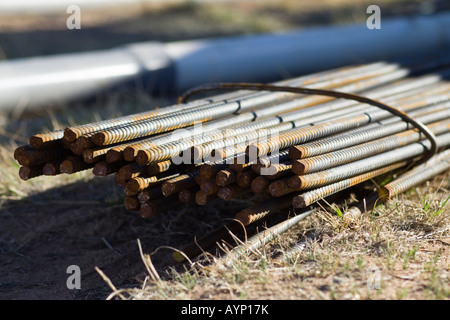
point(225, 177)
point(278, 188)
point(129, 153)
point(295, 182)
point(206, 170)
point(147, 210)
point(298, 167)
point(20, 150)
point(244, 217)
point(26, 172)
point(167, 188)
point(298, 202)
point(144, 196)
point(66, 166)
point(209, 187)
point(131, 203)
point(143, 157)
point(113, 156)
point(70, 135)
point(84, 142)
point(244, 179)
point(296, 152)
point(76, 149)
point(201, 198)
point(50, 169)
point(99, 138)
point(132, 187)
point(36, 141)
point(259, 185)
point(101, 169)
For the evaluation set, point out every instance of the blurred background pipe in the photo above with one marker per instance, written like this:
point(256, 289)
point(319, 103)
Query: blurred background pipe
point(158, 68)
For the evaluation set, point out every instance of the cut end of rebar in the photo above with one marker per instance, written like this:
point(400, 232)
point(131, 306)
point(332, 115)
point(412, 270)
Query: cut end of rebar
point(296, 152)
point(147, 210)
point(225, 177)
point(100, 169)
point(24, 173)
point(131, 203)
point(66, 167)
point(295, 182)
point(167, 189)
point(128, 153)
point(298, 167)
point(132, 187)
point(299, 202)
point(50, 169)
point(36, 141)
point(201, 198)
point(244, 217)
point(278, 188)
point(70, 135)
point(99, 138)
point(113, 156)
point(142, 157)
point(259, 185)
point(224, 193)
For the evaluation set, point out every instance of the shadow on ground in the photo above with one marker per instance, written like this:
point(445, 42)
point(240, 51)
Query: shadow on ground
point(42, 235)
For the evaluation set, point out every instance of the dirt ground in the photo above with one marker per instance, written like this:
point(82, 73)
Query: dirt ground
point(47, 226)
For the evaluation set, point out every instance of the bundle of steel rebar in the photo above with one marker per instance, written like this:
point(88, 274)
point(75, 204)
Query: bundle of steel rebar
point(278, 149)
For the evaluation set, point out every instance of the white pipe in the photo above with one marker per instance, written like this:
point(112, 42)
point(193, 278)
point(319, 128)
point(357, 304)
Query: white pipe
point(177, 66)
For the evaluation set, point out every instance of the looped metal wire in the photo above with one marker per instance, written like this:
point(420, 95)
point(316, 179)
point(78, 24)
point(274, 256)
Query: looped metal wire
point(322, 92)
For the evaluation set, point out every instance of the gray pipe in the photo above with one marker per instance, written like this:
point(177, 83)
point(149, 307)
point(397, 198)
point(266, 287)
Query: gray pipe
point(154, 67)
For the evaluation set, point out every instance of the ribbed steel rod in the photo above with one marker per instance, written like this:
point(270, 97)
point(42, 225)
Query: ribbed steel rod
point(74, 132)
point(262, 210)
point(297, 136)
point(262, 238)
point(305, 199)
point(28, 172)
point(365, 133)
point(415, 176)
point(74, 164)
point(46, 140)
point(140, 183)
point(237, 119)
point(321, 178)
point(260, 184)
point(202, 198)
point(178, 183)
point(343, 156)
point(299, 118)
point(150, 193)
point(175, 120)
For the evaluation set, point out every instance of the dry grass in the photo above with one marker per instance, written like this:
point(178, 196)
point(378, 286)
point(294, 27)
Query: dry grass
point(323, 257)
point(403, 246)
